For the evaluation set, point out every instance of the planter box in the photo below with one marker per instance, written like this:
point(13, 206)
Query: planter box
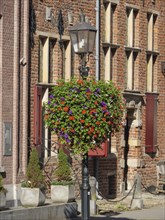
point(62, 194)
point(32, 197)
point(2, 200)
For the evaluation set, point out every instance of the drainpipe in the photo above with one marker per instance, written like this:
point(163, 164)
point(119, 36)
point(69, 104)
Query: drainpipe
point(1, 95)
point(96, 160)
point(97, 57)
point(15, 88)
point(25, 86)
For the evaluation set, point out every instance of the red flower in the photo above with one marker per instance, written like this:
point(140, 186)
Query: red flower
point(83, 112)
point(104, 119)
point(92, 129)
point(62, 103)
point(71, 118)
point(59, 108)
point(46, 117)
point(80, 81)
point(66, 108)
point(72, 130)
point(97, 122)
point(88, 93)
point(62, 129)
point(92, 111)
point(82, 121)
point(104, 108)
point(95, 103)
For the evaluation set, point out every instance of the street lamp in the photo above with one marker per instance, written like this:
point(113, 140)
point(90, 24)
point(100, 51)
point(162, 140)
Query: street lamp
point(83, 40)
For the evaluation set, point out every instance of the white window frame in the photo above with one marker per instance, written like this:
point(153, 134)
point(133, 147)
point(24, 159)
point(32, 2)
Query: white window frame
point(152, 53)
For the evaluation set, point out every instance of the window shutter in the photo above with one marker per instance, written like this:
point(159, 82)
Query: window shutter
point(99, 151)
point(37, 115)
point(151, 123)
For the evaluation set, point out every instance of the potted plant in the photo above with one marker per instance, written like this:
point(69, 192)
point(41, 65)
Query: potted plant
point(62, 188)
point(83, 113)
point(3, 192)
point(33, 188)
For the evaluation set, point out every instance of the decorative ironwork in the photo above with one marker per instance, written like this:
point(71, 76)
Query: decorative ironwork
point(60, 25)
point(32, 25)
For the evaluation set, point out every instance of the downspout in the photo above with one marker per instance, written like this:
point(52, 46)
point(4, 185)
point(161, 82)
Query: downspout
point(97, 57)
point(15, 88)
point(25, 86)
point(96, 160)
point(1, 94)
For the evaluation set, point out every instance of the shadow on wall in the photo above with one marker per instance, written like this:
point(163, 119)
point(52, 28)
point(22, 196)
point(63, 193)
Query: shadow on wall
point(105, 171)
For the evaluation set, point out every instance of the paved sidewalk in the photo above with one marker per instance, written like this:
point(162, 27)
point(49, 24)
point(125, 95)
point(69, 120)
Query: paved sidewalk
point(154, 213)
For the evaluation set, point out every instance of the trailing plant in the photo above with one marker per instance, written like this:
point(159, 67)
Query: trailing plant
point(83, 113)
point(34, 174)
point(2, 188)
point(63, 170)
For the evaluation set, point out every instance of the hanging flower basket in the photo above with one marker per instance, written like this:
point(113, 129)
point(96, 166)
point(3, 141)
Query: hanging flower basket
point(83, 113)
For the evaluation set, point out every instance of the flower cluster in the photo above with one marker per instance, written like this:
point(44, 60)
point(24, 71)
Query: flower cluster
point(84, 113)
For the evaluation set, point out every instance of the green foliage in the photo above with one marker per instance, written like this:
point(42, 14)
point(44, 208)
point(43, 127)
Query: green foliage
point(63, 170)
point(84, 113)
point(34, 174)
point(2, 188)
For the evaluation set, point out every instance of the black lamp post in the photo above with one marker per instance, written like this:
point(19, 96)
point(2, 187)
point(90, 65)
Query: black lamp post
point(83, 40)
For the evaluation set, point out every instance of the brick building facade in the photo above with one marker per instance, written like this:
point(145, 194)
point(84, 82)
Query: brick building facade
point(130, 51)
point(14, 28)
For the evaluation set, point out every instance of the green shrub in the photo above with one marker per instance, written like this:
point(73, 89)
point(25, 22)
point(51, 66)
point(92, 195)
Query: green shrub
point(34, 174)
point(2, 188)
point(63, 170)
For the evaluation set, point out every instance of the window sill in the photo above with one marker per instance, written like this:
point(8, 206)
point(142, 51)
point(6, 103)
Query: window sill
point(150, 52)
point(111, 45)
point(134, 49)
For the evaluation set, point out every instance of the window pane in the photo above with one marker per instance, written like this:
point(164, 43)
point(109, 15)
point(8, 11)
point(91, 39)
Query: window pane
point(40, 77)
point(52, 43)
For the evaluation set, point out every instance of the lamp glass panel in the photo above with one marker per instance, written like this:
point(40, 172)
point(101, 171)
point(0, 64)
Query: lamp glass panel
point(74, 39)
point(91, 40)
point(83, 41)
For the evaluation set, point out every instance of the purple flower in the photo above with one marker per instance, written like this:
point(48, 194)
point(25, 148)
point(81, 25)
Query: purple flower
point(88, 90)
point(97, 90)
point(70, 112)
point(61, 134)
point(51, 96)
point(68, 140)
point(77, 90)
point(62, 99)
point(103, 104)
point(49, 102)
point(66, 136)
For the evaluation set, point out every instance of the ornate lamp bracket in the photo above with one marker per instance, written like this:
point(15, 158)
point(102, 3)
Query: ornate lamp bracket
point(60, 26)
